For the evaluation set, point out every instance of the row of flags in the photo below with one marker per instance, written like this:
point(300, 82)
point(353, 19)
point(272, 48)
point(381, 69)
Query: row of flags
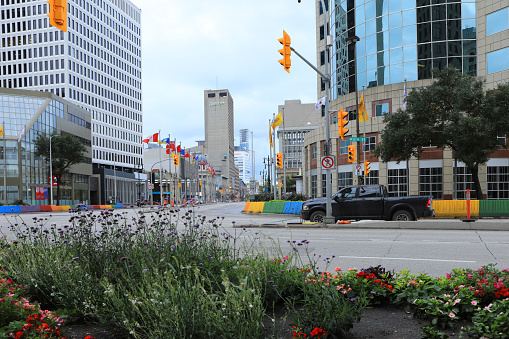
point(178, 150)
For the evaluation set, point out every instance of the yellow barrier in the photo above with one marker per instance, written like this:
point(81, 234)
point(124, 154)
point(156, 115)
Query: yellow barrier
point(246, 208)
point(65, 208)
point(256, 207)
point(55, 208)
point(105, 207)
point(455, 208)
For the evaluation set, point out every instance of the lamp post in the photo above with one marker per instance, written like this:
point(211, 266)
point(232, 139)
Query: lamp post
point(50, 171)
point(353, 40)
point(160, 181)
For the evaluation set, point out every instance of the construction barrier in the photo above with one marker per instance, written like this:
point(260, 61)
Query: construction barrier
point(256, 207)
point(494, 208)
point(10, 209)
point(274, 207)
point(246, 207)
point(455, 208)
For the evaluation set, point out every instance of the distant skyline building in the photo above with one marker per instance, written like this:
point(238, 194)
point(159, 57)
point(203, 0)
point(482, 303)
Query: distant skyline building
point(96, 64)
point(243, 163)
point(219, 136)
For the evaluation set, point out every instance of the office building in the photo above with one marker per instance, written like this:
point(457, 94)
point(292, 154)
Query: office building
point(400, 42)
point(24, 177)
point(219, 137)
point(96, 65)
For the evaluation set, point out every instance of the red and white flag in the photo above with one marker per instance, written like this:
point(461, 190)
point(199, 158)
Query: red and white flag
point(152, 138)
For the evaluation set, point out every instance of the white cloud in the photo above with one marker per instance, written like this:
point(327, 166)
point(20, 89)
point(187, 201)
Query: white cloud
point(190, 46)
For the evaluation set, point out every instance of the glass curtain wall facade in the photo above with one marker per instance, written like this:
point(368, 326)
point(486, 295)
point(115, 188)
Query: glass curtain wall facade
point(399, 39)
point(27, 176)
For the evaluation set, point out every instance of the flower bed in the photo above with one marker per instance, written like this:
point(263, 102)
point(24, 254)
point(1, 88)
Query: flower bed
point(177, 274)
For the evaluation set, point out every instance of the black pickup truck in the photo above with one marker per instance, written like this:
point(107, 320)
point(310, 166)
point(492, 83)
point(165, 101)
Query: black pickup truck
point(368, 202)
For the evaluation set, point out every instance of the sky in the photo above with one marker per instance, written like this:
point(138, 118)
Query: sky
point(192, 46)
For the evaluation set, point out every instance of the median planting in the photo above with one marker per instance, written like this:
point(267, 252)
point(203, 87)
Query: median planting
point(177, 274)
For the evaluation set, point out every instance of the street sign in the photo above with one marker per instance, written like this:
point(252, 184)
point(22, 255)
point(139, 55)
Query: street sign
point(327, 162)
point(150, 186)
point(357, 139)
point(358, 170)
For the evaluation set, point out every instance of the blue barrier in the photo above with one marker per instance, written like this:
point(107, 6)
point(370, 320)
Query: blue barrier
point(10, 209)
point(292, 207)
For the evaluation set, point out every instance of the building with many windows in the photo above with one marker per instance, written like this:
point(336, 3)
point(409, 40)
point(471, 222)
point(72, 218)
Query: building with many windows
point(219, 138)
point(96, 64)
point(400, 42)
point(24, 177)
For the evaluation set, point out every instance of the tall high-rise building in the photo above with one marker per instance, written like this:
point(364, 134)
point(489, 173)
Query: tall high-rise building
point(219, 136)
point(244, 155)
point(385, 49)
point(96, 64)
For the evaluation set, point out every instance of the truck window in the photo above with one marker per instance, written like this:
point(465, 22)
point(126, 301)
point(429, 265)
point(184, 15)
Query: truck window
point(369, 192)
point(347, 193)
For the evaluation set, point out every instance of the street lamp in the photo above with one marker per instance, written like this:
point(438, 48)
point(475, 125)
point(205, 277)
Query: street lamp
point(160, 181)
point(353, 40)
point(50, 171)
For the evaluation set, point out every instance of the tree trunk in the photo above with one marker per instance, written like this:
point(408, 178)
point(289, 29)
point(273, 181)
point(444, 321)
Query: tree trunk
point(475, 177)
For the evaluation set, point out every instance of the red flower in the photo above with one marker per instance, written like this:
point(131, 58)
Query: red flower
point(19, 334)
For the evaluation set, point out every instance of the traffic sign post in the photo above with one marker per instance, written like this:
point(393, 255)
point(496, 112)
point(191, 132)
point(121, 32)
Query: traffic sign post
point(151, 186)
point(328, 162)
point(358, 170)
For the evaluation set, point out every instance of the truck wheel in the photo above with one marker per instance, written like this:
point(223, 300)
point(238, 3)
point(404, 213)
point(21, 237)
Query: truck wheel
point(402, 216)
point(317, 216)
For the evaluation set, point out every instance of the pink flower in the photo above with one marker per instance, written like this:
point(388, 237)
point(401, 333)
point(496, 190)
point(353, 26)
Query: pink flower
point(473, 302)
point(451, 315)
point(337, 269)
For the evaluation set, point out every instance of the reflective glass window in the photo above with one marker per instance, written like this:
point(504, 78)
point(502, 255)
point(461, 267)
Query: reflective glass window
point(410, 70)
point(395, 20)
point(371, 78)
point(456, 63)
point(361, 65)
point(396, 55)
point(382, 41)
point(395, 37)
point(453, 29)
point(381, 109)
point(423, 14)
point(424, 32)
point(439, 50)
point(360, 30)
point(370, 10)
point(470, 65)
point(468, 10)
point(497, 21)
point(424, 69)
point(359, 14)
point(454, 48)
point(440, 63)
point(454, 11)
point(382, 23)
point(424, 51)
point(498, 60)
point(371, 61)
point(438, 12)
point(382, 58)
point(361, 81)
point(409, 35)
point(409, 17)
point(371, 44)
point(407, 4)
point(371, 27)
point(410, 53)
point(469, 47)
point(382, 7)
point(468, 28)
point(383, 76)
point(438, 30)
point(396, 73)
point(394, 6)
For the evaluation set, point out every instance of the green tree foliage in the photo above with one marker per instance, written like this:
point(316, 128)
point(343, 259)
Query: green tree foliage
point(454, 112)
point(66, 151)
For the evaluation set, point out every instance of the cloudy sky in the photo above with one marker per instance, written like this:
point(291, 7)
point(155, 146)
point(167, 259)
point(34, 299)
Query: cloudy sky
point(191, 46)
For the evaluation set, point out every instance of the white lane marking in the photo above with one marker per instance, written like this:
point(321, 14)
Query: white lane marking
point(410, 259)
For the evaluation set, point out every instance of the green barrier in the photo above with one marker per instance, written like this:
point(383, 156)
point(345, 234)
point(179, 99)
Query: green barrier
point(276, 207)
point(494, 208)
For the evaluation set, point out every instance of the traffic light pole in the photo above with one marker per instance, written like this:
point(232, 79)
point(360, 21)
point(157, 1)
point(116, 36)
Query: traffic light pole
point(328, 219)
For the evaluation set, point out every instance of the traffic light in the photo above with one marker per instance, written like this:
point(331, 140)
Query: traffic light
point(366, 167)
point(342, 122)
point(279, 160)
point(58, 14)
point(351, 153)
point(285, 52)
point(175, 160)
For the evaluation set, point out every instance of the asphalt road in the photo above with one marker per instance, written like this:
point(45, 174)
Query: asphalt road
point(433, 246)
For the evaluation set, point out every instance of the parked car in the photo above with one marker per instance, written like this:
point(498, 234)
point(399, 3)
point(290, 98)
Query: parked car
point(368, 202)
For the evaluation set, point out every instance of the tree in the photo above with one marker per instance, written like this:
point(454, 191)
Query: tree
point(66, 151)
point(453, 112)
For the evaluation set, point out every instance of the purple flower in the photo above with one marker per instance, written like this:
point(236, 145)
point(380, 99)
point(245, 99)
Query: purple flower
point(145, 270)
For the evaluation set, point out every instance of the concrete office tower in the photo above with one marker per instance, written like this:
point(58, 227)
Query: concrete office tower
point(400, 42)
point(219, 136)
point(96, 65)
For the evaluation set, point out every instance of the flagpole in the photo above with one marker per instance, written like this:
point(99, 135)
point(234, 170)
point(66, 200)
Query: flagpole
point(364, 142)
point(169, 167)
point(274, 156)
point(160, 170)
point(5, 164)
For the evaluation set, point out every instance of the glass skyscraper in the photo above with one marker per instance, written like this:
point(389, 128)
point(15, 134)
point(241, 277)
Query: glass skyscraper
point(399, 39)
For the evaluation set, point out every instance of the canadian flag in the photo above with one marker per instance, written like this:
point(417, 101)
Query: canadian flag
point(152, 138)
